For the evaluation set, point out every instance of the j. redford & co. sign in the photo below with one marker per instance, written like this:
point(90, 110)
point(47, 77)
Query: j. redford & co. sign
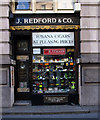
point(48, 19)
point(43, 20)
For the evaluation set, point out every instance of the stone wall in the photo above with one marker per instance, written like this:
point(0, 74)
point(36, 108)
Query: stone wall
point(90, 42)
point(6, 96)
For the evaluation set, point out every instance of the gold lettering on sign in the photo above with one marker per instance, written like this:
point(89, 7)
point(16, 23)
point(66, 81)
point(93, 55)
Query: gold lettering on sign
point(22, 57)
point(23, 90)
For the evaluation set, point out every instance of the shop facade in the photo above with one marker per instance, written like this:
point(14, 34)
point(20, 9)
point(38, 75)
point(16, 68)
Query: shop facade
point(46, 49)
point(50, 56)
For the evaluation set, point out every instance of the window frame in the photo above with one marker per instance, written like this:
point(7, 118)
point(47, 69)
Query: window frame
point(34, 10)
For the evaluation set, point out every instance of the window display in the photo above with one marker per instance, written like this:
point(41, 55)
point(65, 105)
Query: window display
point(54, 73)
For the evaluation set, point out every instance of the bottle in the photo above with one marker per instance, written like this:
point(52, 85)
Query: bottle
point(66, 76)
point(56, 78)
point(69, 53)
point(70, 75)
point(53, 77)
point(73, 85)
point(40, 77)
point(71, 59)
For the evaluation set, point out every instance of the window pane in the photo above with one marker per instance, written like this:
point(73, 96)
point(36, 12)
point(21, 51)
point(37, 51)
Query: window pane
point(22, 46)
point(66, 4)
point(44, 4)
point(22, 4)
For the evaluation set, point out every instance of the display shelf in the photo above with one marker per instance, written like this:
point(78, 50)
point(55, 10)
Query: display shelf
point(55, 71)
point(48, 62)
point(56, 92)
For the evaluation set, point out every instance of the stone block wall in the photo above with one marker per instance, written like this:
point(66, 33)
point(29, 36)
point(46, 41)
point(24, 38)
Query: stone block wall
point(6, 96)
point(90, 42)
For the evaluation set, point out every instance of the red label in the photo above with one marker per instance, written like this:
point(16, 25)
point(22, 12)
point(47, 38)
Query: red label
point(55, 51)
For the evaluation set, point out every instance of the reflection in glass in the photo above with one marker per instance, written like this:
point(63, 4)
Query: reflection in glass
point(65, 4)
point(44, 4)
point(22, 45)
point(22, 4)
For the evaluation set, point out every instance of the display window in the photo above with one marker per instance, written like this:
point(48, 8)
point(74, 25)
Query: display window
point(54, 71)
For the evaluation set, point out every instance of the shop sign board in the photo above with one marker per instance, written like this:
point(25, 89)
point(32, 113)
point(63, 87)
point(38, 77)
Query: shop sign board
point(55, 99)
point(53, 39)
point(22, 57)
point(61, 51)
point(23, 90)
point(44, 20)
point(48, 21)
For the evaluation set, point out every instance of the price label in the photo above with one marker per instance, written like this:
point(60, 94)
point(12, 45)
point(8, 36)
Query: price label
point(66, 64)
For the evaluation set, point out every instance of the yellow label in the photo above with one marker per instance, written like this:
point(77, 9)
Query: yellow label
point(62, 84)
point(70, 50)
point(23, 90)
point(57, 84)
point(40, 85)
point(66, 64)
point(22, 57)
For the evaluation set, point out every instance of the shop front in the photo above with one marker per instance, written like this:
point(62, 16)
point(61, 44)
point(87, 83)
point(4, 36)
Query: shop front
point(46, 48)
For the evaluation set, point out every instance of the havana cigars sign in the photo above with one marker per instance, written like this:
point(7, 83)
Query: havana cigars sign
point(52, 39)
